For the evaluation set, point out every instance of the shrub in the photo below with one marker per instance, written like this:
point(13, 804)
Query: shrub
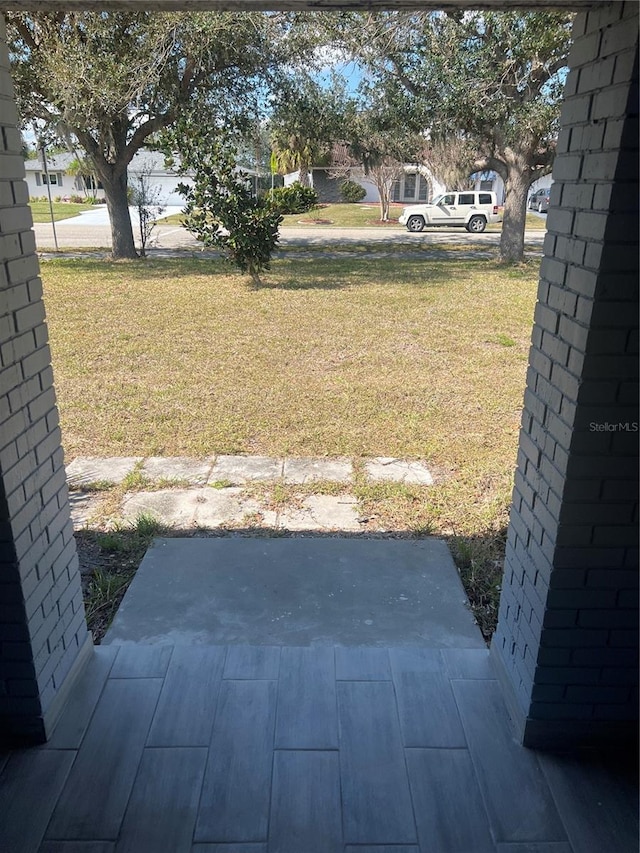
point(352, 192)
point(293, 199)
point(76, 199)
point(222, 211)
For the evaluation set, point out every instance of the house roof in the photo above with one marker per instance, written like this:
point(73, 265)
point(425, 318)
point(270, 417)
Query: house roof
point(55, 163)
point(142, 160)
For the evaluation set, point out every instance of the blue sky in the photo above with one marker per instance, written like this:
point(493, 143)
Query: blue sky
point(351, 72)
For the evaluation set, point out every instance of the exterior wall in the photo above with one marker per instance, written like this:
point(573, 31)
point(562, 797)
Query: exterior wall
point(43, 634)
point(328, 188)
point(497, 185)
point(566, 648)
point(372, 196)
point(66, 187)
point(167, 189)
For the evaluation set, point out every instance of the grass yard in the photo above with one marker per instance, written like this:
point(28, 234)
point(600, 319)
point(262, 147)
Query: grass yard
point(397, 357)
point(345, 216)
point(61, 210)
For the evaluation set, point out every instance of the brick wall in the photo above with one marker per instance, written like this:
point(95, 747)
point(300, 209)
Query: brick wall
point(567, 641)
point(42, 626)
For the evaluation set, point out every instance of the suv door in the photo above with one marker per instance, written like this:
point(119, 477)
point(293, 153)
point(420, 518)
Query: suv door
point(466, 201)
point(446, 212)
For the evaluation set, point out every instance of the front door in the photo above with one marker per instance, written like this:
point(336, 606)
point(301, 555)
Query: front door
point(447, 212)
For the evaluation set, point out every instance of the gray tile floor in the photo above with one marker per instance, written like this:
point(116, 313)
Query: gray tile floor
point(268, 749)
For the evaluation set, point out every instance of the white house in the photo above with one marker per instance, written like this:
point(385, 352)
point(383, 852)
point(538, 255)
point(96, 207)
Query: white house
point(63, 184)
point(416, 184)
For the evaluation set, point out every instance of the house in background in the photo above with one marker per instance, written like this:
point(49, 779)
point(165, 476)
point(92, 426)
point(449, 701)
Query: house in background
point(63, 184)
point(416, 184)
point(56, 174)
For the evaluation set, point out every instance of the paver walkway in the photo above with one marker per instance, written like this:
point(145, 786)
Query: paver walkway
point(210, 493)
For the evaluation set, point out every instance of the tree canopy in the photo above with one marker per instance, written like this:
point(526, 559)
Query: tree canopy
point(305, 121)
point(490, 80)
point(113, 79)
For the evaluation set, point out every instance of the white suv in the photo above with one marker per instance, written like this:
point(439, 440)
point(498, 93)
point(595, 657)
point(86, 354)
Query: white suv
point(471, 209)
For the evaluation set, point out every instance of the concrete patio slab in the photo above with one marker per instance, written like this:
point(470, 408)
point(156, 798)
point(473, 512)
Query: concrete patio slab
point(84, 505)
point(239, 470)
point(178, 468)
point(173, 507)
point(91, 469)
point(386, 468)
point(297, 591)
point(220, 507)
point(309, 470)
point(322, 512)
point(203, 507)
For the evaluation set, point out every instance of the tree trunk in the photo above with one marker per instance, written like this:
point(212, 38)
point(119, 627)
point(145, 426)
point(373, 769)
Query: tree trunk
point(385, 199)
point(122, 242)
point(515, 214)
point(303, 175)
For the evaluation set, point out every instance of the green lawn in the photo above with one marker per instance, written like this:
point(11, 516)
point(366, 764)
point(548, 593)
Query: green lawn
point(409, 358)
point(357, 216)
point(61, 210)
point(345, 216)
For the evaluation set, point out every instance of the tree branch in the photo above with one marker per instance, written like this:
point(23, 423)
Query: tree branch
point(142, 133)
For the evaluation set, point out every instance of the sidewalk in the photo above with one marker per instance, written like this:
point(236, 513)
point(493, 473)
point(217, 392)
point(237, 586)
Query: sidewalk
point(313, 494)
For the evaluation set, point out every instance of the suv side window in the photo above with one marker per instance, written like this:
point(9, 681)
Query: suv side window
point(466, 198)
point(485, 198)
point(448, 199)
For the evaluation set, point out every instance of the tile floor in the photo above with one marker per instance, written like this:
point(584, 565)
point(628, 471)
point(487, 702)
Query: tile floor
point(267, 749)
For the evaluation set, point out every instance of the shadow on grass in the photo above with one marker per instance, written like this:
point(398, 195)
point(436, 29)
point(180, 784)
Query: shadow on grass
point(308, 273)
point(351, 272)
point(149, 269)
point(109, 561)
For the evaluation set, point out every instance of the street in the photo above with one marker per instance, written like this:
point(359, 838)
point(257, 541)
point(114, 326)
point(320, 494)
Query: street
point(72, 235)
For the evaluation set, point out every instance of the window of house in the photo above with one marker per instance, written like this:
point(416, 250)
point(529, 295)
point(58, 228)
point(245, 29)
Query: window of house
point(410, 186)
point(486, 185)
point(423, 189)
point(52, 179)
point(466, 198)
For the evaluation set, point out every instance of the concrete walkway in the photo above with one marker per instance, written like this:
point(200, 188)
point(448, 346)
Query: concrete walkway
point(219, 492)
point(321, 591)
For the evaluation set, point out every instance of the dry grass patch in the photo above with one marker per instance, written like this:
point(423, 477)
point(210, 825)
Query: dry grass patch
point(337, 358)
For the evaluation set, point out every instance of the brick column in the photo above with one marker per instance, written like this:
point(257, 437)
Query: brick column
point(566, 647)
point(43, 634)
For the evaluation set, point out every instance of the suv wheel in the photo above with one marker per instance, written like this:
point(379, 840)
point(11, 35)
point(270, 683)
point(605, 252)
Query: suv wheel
point(476, 224)
point(415, 223)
